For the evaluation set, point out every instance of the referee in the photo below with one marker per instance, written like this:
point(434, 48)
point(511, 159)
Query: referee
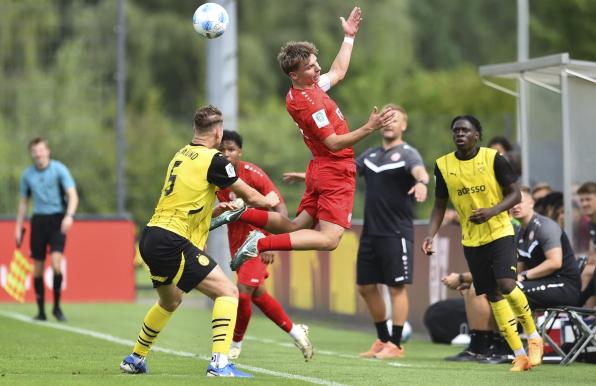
point(395, 178)
point(50, 186)
point(482, 187)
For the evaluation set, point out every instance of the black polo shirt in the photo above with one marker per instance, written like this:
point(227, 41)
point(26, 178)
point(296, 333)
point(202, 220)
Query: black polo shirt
point(388, 209)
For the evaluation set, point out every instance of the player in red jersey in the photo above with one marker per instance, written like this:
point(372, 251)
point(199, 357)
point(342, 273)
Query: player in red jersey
point(331, 174)
point(252, 274)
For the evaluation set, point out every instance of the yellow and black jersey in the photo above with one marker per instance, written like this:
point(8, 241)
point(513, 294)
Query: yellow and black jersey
point(473, 184)
point(194, 175)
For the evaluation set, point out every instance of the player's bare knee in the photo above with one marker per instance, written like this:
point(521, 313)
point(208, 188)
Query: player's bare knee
point(170, 304)
point(367, 289)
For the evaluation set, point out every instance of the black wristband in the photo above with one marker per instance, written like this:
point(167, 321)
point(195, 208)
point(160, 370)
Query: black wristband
point(461, 278)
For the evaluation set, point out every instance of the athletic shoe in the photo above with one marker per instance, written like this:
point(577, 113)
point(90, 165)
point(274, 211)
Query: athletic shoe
point(535, 351)
point(134, 364)
point(234, 352)
point(390, 351)
point(57, 312)
point(40, 317)
point(229, 215)
point(247, 250)
point(496, 359)
point(303, 343)
point(376, 348)
point(464, 356)
point(228, 371)
point(521, 363)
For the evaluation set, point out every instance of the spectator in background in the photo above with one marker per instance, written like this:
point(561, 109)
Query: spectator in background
point(504, 147)
point(540, 190)
point(50, 186)
point(587, 199)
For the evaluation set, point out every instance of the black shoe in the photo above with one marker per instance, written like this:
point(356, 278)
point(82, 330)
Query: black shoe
point(59, 315)
point(496, 359)
point(41, 317)
point(464, 356)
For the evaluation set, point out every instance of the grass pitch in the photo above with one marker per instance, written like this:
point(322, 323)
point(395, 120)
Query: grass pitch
point(88, 349)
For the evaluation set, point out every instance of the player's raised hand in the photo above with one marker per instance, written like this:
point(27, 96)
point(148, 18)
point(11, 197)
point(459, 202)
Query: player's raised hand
point(419, 191)
point(427, 246)
point(352, 25)
point(293, 177)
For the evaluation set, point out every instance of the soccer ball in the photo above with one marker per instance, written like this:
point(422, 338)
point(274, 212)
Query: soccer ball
point(210, 20)
point(406, 333)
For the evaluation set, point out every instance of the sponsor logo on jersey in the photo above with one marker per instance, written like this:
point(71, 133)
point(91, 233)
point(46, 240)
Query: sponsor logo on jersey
point(320, 118)
point(230, 170)
point(339, 114)
point(471, 190)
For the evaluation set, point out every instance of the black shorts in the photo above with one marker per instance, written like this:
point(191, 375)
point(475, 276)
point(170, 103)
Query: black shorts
point(386, 260)
point(45, 231)
point(551, 291)
point(173, 259)
point(495, 260)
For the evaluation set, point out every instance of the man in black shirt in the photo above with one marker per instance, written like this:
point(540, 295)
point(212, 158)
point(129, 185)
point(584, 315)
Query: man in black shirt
point(547, 269)
point(587, 200)
point(395, 177)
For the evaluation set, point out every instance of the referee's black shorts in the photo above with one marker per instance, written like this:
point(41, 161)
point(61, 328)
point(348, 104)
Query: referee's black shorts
point(385, 260)
point(45, 231)
point(492, 261)
point(551, 291)
point(172, 258)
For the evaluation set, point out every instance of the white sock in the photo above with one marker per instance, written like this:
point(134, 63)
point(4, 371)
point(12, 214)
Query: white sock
point(236, 344)
point(219, 360)
point(534, 335)
point(519, 352)
point(296, 332)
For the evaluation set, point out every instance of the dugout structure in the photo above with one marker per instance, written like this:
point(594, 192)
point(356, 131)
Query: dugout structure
point(556, 111)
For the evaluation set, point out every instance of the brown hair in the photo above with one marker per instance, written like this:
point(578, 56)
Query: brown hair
point(587, 188)
point(293, 54)
point(36, 141)
point(525, 189)
point(206, 118)
point(398, 108)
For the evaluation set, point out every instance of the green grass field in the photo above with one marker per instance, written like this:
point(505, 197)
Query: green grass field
point(88, 349)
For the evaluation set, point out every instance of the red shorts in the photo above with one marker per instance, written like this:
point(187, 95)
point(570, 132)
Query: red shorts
point(253, 272)
point(329, 194)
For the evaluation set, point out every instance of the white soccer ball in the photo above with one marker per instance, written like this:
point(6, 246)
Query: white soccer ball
point(406, 333)
point(210, 20)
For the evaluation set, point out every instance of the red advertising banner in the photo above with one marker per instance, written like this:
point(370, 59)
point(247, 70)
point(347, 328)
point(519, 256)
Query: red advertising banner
point(97, 265)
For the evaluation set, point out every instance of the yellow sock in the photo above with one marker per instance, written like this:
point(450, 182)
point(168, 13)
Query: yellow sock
point(154, 322)
point(519, 305)
point(223, 322)
point(507, 323)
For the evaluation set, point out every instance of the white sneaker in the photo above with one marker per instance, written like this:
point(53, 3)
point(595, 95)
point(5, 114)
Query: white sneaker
point(303, 343)
point(234, 352)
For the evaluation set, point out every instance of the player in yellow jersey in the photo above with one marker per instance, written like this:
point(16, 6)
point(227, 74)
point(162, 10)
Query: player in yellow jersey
point(172, 243)
point(482, 187)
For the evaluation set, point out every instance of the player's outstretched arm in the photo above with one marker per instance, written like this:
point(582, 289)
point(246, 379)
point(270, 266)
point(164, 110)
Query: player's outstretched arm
point(340, 65)
point(252, 197)
point(292, 177)
point(336, 142)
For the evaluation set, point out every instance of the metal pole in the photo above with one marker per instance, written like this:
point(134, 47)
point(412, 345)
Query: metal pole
point(222, 91)
point(567, 158)
point(120, 119)
point(523, 48)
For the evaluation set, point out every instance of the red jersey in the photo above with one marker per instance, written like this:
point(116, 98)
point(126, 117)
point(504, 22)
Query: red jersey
point(317, 117)
point(255, 177)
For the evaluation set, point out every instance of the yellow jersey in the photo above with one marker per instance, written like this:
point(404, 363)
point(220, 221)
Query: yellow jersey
point(186, 202)
point(473, 184)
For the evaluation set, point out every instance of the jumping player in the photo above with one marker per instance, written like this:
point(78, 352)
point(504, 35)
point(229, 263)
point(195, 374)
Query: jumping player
point(331, 174)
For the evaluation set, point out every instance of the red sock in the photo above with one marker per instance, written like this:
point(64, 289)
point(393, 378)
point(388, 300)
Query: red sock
point(280, 242)
point(244, 314)
point(255, 217)
point(274, 311)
